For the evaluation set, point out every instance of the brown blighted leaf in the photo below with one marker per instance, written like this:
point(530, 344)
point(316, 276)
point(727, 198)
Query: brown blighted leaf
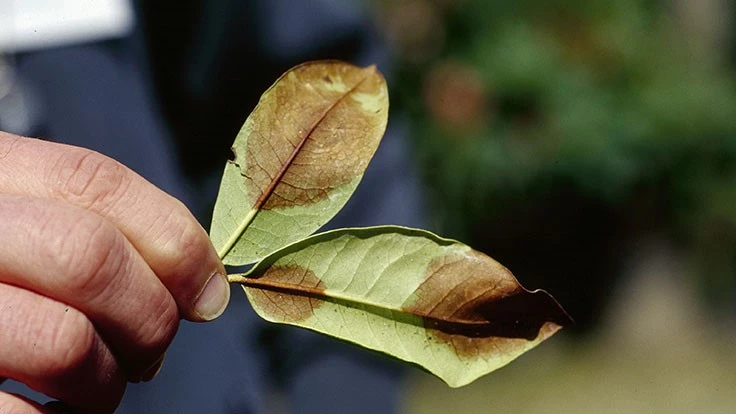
point(408, 293)
point(298, 158)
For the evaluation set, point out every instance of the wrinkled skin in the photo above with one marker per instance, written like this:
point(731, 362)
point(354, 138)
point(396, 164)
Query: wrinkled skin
point(97, 267)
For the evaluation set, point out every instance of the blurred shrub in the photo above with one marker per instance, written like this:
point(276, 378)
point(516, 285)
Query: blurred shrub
point(554, 133)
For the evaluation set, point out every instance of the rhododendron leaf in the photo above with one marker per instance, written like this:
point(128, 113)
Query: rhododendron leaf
point(408, 293)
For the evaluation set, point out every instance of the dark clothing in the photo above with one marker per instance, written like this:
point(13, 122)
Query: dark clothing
point(99, 96)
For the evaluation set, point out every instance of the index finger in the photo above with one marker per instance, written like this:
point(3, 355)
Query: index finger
point(159, 226)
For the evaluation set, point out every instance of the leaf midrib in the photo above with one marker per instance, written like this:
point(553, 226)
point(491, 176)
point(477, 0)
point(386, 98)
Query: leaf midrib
point(328, 295)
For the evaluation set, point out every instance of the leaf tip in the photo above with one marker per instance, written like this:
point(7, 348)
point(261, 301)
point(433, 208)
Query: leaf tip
point(557, 314)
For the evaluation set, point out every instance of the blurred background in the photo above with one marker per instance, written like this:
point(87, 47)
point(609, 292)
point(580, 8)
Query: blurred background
point(588, 146)
point(591, 148)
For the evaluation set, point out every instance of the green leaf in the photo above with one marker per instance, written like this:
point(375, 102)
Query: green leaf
point(298, 158)
point(408, 293)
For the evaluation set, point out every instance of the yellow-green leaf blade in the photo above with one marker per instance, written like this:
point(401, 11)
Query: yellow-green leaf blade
point(408, 293)
point(298, 158)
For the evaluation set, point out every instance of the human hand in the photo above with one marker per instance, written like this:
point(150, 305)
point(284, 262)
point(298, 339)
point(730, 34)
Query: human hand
point(97, 266)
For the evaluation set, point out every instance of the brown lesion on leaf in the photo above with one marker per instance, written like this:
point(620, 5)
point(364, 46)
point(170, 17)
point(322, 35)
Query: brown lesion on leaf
point(287, 293)
point(472, 347)
point(475, 304)
point(310, 137)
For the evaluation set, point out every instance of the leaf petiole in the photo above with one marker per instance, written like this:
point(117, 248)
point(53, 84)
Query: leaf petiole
point(237, 278)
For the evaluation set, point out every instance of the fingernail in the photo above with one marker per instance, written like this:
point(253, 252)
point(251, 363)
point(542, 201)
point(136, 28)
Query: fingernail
point(214, 297)
point(154, 370)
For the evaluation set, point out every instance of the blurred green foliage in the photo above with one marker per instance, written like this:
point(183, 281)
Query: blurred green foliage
point(615, 101)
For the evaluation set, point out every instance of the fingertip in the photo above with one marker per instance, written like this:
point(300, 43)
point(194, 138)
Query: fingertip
point(213, 299)
point(154, 370)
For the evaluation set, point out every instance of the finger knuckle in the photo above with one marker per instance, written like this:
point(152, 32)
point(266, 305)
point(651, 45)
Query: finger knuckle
point(162, 324)
point(76, 362)
point(90, 256)
point(71, 345)
point(181, 241)
point(89, 179)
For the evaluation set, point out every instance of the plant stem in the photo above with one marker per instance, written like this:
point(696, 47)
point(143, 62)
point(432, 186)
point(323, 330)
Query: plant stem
point(237, 278)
